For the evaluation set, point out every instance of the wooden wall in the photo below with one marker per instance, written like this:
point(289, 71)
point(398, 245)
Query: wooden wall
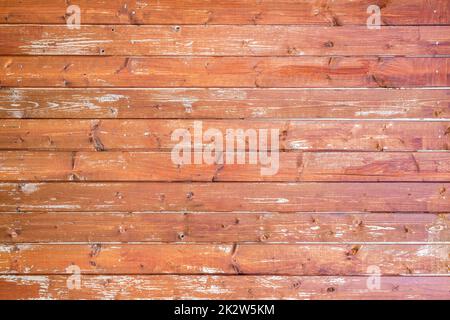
point(86, 176)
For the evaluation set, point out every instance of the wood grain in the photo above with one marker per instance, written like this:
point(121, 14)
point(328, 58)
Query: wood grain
point(223, 40)
point(158, 166)
point(156, 135)
point(225, 103)
point(226, 197)
point(273, 259)
point(244, 72)
point(335, 13)
point(362, 118)
point(215, 227)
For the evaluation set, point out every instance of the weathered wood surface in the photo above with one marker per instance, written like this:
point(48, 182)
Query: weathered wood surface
point(243, 72)
point(225, 103)
point(223, 40)
point(156, 135)
point(86, 176)
point(263, 259)
point(223, 287)
point(332, 13)
point(215, 227)
point(225, 197)
point(158, 166)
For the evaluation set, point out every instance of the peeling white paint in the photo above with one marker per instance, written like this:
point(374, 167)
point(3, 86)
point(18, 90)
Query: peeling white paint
point(377, 228)
point(379, 113)
point(78, 46)
point(29, 188)
point(267, 200)
point(211, 270)
point(258, 112)
point(299, 145)
point(111, 97)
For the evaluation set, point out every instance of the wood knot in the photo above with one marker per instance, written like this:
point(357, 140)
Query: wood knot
point(190, 195)
point(353, 251)
point(95, 250)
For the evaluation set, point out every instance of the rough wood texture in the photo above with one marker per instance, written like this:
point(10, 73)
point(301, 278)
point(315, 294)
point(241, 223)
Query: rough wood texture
point(148, 135)
point(243, 72)
point(216, 196)
point(225, 103)
point(332, 13)
point(362, 118)
point(158, 166)
point(208, 227)
point(223, 40)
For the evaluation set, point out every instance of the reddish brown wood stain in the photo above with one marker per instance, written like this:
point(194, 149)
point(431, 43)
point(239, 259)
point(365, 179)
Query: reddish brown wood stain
point(86, 176)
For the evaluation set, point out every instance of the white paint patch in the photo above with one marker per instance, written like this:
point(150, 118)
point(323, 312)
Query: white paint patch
point(55, 206)
point(16, 113)
point(14, 100)
point(299, 145)
point(225, 249)
point(15, 95)
point(378, 113)
point(111, 98)
point(436, 251)
point(267, 200)
point(81, 45)
point(211, 270)
point(5, 249)
point(258, 112)
point(187, 103)
point(377, 228)
point(29, 188)
point(213, 289)
point(337, 281)
point(134, 41)
point(230, 94)
point(42, 281)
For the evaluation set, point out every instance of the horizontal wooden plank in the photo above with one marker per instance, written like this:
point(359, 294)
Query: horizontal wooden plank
point(222, 227)
point(158, 166)
point(156, 135)
point(223, 40)
point(226, 197)
point(223, 287)
point(225, 103)
point(335, 13)
point(273, 259)
point(307, 72)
